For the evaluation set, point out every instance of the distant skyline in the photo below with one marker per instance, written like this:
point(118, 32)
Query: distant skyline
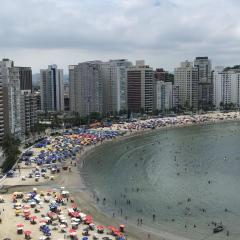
point(38, 33)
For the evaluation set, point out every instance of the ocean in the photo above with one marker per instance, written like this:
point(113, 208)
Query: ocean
point(179, 180)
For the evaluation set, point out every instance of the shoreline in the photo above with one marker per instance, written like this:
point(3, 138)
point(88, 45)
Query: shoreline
point(75, 183)
point(136, 232)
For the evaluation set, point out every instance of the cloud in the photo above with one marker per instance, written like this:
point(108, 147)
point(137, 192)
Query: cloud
point(164, 32)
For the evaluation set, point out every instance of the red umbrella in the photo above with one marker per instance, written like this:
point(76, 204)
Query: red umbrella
point(26, 211)
point(72, 232)
point(100, 227)
point(20, 225)
point(75, 214)
point(89, 217)
point(27, 232)
point(33, 217)
point(117, 233)
point(89, 221)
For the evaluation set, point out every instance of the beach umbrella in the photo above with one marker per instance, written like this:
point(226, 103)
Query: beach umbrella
point(117, 233)
point(111, 228)
point(85, 238)
point(100, 227)
point(33, 217)
point(72, 232)
point(26, 206)
point(20, 225)
point(27, 232)
point(89, 221)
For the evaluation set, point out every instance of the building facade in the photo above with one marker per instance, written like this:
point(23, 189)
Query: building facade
point(52, 89)
point(164, 95)
point(85, 88)
point(205, 82)
point(186, 77)
point(114, 77)
point(10, 79)
point(162, 75)
point(226, 87)
point(25, 75)
point(140, 88)
point(28, 110)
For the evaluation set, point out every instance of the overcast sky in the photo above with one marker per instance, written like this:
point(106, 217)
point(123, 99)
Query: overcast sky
point(37, 33)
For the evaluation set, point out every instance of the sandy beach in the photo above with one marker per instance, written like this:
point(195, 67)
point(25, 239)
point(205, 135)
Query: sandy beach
point(73, 183)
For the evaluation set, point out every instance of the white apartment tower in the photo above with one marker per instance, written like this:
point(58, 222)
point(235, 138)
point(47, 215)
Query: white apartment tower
point(186, 77)
point(52, 89)
point(226, 86)
point(85, 87)
point(164, 95)
point(114, 77)
point(11, 108)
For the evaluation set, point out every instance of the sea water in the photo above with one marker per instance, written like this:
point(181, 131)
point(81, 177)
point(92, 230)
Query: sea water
point(189, 178)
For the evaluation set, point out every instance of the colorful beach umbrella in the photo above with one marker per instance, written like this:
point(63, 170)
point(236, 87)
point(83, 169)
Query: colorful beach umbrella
point(20, 225)
point(27, 232)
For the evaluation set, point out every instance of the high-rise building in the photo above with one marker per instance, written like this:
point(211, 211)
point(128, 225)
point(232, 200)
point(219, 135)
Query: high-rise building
point(205, 85)
point(51, 85)
point(186, 77)
point(175, 97)
point(11, 107)
point(66, 97)
point(140, 88)
point(114, 77)
point(226, 87)
point(164, 95)
point(85, 87)
point(25, 75)
point(28, 110)
point(217, 86)
point(1, 107)
point(162, 75)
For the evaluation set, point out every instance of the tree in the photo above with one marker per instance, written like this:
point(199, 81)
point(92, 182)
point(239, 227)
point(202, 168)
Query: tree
point(11, 151)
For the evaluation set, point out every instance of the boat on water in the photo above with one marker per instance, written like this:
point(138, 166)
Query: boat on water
point(218, 229)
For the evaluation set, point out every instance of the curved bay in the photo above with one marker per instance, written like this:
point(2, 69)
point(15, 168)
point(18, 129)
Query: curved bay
point(184, 176)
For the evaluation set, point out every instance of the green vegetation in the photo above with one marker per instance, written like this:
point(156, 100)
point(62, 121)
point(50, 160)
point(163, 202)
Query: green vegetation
point(236, 67)
point(11, 151)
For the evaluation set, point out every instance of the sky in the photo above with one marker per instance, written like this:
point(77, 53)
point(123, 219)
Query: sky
point(37, 33)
